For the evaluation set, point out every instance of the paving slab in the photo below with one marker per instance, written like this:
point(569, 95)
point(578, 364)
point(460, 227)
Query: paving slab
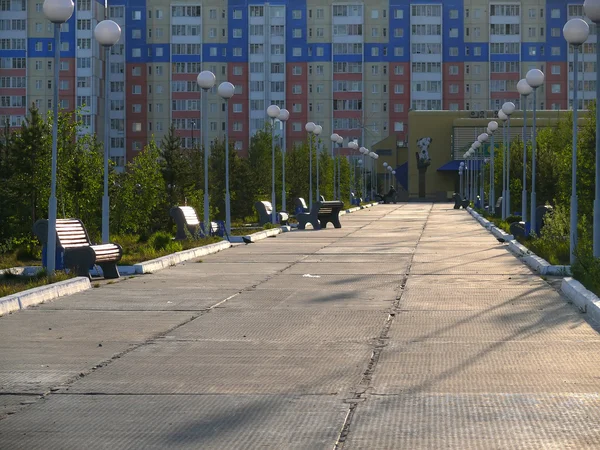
point(158, 422)
point(239, 367)
point(477, 421)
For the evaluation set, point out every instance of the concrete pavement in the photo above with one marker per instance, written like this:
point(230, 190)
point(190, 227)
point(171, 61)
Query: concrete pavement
point(410, 327)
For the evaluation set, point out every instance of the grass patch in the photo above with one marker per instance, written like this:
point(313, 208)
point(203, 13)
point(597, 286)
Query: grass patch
point(136, 249)
point(20, 252)
point(11, 283)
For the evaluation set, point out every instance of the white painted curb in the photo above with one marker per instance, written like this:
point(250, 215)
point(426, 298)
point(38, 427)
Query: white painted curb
point(22, 300)
point(259, 235)
point(170, 260)
point(585, 300)
point(538, 264)
point(501, 234)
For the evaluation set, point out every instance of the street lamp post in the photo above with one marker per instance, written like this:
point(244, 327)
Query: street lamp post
point(364, 152)
point(524, 89)
point(334, 140)
point(483, 137)
point(273, 112)
point(576, 32)
point(317, 131)
point(476, 147)
point(339, 168)
point(107, 33)
point(535, 78)
point(226, 90)
point(284, 115)
point(591, 9)
point(310, 128)
point(57, 12)
point(508, 108)
point(352, 145)
point(491, 129)
point(374, 157)
point(385, 166)
point(461, 169)
point(206, 80)
point(502, 116)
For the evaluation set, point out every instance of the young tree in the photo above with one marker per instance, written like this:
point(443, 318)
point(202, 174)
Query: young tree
point(141, 206)
point(176, 169)
point(80, 173)
point(29, 161)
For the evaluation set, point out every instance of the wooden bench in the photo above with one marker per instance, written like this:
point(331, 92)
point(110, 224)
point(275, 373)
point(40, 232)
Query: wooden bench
point(187, 222)
point(321, 214)
point(265, 213)
point(300, 205)
point(79, 253)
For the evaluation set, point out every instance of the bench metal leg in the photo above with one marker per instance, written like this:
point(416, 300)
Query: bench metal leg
point(110, 270)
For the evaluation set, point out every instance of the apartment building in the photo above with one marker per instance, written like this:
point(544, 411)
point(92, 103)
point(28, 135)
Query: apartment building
point(353, 66)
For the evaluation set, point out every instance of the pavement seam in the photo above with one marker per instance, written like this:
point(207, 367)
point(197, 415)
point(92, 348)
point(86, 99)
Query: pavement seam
point(362, 389)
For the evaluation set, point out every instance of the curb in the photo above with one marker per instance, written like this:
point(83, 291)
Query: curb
point(585, 300)
point(22, 300)
point(259, 235)
point(532, 260)
point(170, 260)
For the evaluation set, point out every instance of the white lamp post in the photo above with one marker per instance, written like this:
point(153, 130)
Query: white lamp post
point(476, 147)
point(385, 166)
point(273, 112)
point(576, 32)
point(502, 116)
point(57, 12)
point(284, 115)
point(226, 90)
point(206, 80)
point(317, 131)
point(310, 128)
point(340, 141)
point(508, 108)
point(107, 33)
point(591, 8)
point(535, 78)
point(491, 129)
point(334, 140)
point(364, 152)
point(524, 89)
point(374, 156)
point(468, 166)
point(461, 169)
point(483, 137)
point(352, 145)
point(360, 165)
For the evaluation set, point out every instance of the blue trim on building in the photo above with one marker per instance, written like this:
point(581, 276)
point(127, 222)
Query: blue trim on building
point(45, 53)
point(131, 6)
point(13, 53)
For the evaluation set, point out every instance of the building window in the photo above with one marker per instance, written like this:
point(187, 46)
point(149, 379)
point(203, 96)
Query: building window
point(136, 127)
point(556, 88)
point(555, 69)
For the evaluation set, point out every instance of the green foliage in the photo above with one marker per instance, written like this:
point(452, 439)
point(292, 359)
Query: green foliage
point(511, 219)
point(586, 268)
point(553, 243)
point(141, 204)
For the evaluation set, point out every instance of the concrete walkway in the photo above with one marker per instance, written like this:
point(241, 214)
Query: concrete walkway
point(410, 328)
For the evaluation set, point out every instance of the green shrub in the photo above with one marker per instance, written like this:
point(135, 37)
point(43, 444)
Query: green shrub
point(553, 242)
point(512, 219)
point(160, 240)
point(586, 269)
